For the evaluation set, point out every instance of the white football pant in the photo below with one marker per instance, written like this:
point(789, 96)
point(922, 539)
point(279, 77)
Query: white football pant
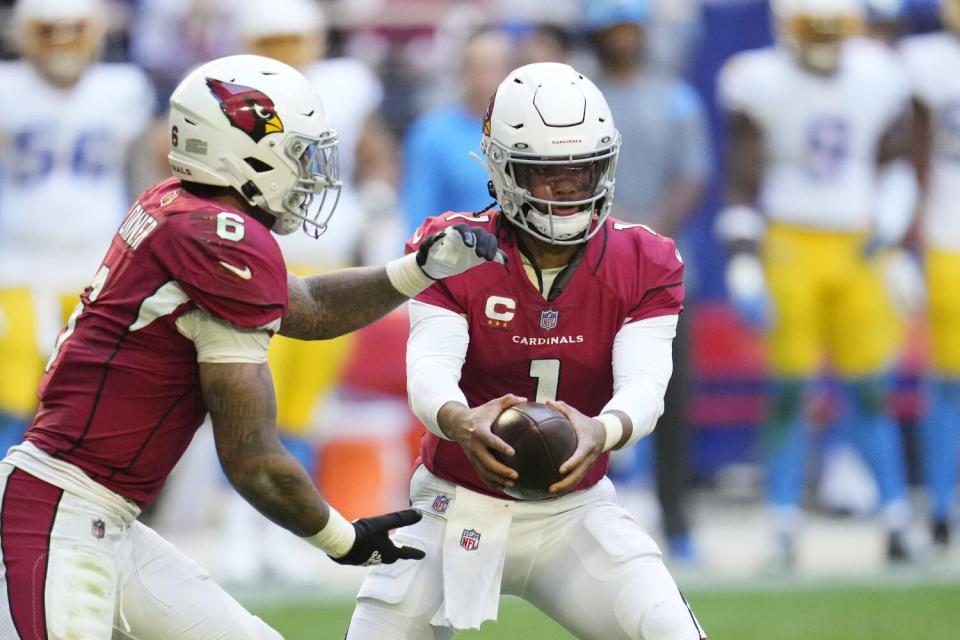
point(581, 559)
point(72, 568)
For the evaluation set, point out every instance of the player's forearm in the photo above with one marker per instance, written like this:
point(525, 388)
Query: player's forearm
point(450, 418)
point(279, 488)
point(243, 411)
point(326, 306)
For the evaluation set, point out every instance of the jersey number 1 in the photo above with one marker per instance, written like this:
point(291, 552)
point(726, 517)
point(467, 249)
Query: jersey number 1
point(547, 373)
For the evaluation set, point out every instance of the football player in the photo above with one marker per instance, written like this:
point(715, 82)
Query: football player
point(817, 144)
point(937, 133)
point(174, 325)
point(293, 31)
point(68, 126)
point(583, 318)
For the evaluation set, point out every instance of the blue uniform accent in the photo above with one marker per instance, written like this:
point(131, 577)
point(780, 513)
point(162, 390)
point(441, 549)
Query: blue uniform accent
point(785, 442)
point(12, 429)
point(866, 423)
point(940, 442)
point(37, 155)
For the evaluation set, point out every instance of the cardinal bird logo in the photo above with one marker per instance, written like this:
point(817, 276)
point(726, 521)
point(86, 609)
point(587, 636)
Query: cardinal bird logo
point(246, 108)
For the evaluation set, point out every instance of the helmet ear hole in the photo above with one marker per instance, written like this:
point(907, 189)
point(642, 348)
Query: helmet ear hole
point(258, 165)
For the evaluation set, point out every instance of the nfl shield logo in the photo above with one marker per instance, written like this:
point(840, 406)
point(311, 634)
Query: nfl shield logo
point(440, 503)
point(98, 529)
point(548, 319)
point(470, 539)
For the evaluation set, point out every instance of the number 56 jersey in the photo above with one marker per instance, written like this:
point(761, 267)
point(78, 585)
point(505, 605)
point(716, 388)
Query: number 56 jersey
point(820, 133)
point(62, 158)
point(556, 349)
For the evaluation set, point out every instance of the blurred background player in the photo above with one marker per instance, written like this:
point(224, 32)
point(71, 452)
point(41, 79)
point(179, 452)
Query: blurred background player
point(817, 140)
point(439, 174)
point(661, 187)
point(582, 316)
point(937, 138)
point(294, 31)
point(65, 140)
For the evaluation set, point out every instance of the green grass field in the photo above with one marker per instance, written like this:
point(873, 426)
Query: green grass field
point(776, 612)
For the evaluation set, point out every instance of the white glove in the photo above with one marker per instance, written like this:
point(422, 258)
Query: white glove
point(457, 249)
point(747, 288)
point(447, 253)
point(904, 281)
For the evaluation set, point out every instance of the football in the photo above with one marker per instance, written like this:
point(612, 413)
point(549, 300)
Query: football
point(542, 439)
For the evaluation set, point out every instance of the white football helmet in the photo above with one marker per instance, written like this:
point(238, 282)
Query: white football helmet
point(257, 125)
point(61, 38)
point(815, 30)
point(547, 122)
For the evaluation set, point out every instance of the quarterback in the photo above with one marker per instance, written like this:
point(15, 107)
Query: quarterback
point(582, 318)
point(174, 325)
point(816, 142)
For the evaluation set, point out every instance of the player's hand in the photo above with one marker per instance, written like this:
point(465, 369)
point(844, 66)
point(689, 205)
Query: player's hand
point(373, 544)
point(457, 249)
point(747, 287)
point(470, 428)
point(904, 281)
point(590, 438)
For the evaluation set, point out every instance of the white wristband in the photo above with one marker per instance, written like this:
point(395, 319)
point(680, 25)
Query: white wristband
point(614, 429)
point(337, 538)
point(406, 276)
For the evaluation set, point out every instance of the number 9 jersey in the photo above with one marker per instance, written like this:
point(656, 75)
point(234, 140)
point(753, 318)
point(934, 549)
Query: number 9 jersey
point(820, 132)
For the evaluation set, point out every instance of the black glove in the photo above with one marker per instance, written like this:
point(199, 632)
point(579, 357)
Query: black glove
point(456, 249)
point(374, 546)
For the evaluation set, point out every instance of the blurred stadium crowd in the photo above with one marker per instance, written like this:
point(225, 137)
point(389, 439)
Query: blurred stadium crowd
point(83, 86)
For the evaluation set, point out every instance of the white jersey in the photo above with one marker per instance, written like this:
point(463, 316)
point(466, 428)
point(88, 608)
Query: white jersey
point(926, 58)
point(350, 92)
point(62, 170)
point(820, 133)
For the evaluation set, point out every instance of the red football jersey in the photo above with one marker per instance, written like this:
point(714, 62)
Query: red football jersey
point(121, 395)
point(562, 349)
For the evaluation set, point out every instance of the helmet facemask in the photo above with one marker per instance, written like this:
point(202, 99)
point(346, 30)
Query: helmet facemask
point(579, 194)
point(551, 149)
point(318, 164)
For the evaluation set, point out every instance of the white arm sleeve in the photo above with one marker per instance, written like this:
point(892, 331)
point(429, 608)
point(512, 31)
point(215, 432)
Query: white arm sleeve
point(220, 342)
point(436, 350)
point(642, 364)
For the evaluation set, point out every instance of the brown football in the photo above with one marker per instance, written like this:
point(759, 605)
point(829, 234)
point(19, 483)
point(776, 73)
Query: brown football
point(542, 439)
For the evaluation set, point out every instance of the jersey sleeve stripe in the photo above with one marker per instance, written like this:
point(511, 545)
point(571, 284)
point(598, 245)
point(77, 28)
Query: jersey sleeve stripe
point(164, 302)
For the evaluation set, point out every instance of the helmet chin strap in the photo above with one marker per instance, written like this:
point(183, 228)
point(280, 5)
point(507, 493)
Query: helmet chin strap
point(553, 227)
